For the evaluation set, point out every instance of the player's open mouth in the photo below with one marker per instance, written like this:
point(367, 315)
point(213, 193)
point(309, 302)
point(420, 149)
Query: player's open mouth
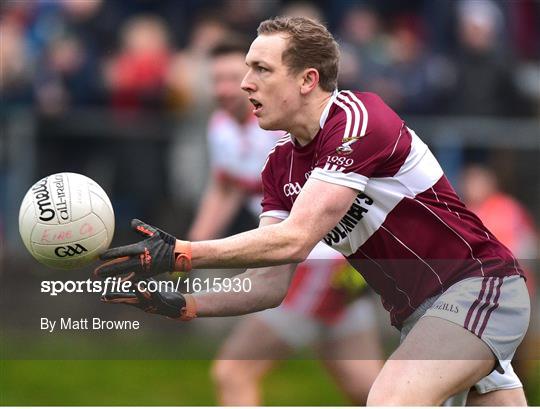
point(257, 105)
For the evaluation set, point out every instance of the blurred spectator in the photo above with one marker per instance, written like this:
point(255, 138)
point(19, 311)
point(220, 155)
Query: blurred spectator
point(410, 78)
point(15, 64)
point(361, 27)
point(190, 93)
point(68, 76)
point(363, 47)
point(56, 36)
point(503, 215)
point(302, 9)
point(245, 15)
point(81, 10)
point(95, 23)
point(439, 18)
point(524, 19)
point(136, 75)
point(187, 77)
point(483, 79)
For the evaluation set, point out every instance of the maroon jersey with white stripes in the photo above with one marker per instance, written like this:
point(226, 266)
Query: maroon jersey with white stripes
point(407, 231)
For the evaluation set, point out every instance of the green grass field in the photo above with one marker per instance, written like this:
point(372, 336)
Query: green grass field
point(159, 382)
point(164, 383)
point(119, 383)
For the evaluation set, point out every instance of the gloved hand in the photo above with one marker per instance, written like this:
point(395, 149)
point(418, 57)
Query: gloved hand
point(158, 253)
point(170, 304)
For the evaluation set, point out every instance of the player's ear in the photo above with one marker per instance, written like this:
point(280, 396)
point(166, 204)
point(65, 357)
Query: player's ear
point(310, 80)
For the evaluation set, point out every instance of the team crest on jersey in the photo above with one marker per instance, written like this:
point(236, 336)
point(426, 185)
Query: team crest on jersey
point(345, 148)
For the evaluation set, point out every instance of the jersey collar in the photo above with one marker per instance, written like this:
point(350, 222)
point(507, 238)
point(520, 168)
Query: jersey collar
point(326, 110)
point(322, 121)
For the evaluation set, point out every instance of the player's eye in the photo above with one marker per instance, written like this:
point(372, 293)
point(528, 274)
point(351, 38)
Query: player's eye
point(261, 69)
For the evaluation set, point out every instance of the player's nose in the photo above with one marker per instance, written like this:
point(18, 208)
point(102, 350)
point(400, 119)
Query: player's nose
point(247, 85)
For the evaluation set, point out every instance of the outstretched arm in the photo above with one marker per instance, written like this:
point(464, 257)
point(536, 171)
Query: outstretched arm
point(318, 208)
point(267, 290)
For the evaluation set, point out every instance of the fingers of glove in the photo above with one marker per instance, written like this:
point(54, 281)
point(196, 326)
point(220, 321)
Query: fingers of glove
point(121, 265)
point(173, 305)
point(143, 229)
point(128, 250)
point(120, 298)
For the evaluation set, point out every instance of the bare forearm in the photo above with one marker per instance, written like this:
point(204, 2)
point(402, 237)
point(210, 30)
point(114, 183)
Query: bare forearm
point(317, 210)
point(271, 245)
point(267, 290)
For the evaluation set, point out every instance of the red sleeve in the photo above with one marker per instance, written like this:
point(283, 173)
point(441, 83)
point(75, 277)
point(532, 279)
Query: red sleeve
point(362, 140)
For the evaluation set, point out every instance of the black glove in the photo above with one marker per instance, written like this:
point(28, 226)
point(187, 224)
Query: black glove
point(147, 258)
point(169, 304)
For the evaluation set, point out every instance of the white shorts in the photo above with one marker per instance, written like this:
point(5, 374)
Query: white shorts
point(495, 309)
point(299, 330)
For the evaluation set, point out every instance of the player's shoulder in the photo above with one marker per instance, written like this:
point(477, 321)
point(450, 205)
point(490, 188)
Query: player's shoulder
point(358, 106)
point(360, 98)
point(355, 114)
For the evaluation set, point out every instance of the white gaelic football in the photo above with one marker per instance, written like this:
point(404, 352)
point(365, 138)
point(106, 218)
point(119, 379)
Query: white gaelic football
point(66, 220)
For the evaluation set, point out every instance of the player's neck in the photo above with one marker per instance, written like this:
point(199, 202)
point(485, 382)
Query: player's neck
point(308, 124)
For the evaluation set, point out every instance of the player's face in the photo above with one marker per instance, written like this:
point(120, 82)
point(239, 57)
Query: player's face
point(228, 70)
point(273, 91)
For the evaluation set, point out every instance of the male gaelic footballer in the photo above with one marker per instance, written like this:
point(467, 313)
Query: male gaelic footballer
point(321, 308)
point(371, 189)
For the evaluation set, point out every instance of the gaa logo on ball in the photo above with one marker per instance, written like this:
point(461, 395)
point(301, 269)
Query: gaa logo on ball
point(65, 251)
point(66, 220)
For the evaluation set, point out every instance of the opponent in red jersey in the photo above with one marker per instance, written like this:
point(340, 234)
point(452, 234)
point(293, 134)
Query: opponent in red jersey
point(375, 193)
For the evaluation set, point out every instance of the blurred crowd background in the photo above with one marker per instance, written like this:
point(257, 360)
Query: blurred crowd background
point(99, 87)
point(476, 57)
point(120, 91)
